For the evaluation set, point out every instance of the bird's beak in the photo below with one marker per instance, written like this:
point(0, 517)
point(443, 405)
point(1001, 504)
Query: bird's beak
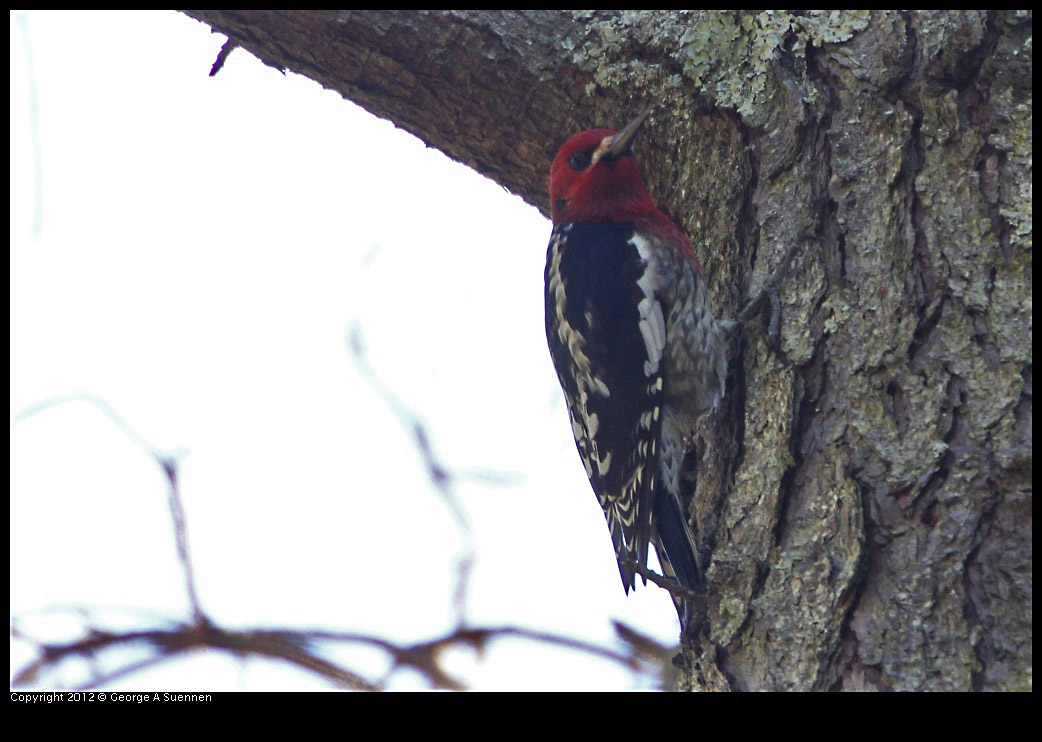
point(621, 142)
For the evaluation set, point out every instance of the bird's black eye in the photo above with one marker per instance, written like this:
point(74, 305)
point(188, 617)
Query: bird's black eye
point(579, 161)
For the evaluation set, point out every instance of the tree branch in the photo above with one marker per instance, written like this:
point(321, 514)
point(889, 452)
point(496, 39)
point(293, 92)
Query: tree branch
point(490, 89)
point(293, 645)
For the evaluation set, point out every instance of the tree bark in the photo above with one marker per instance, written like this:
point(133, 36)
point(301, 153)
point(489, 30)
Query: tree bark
point(866, 493)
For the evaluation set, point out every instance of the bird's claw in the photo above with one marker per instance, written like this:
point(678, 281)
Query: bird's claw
point(768, 295)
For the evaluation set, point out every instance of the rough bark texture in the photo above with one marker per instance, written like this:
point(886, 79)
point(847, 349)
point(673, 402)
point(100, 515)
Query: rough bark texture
point(867, 493)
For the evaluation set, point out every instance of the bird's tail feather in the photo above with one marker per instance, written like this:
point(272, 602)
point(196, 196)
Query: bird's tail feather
point(676, 548)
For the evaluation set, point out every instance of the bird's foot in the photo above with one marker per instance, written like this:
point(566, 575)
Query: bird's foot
point(768, 297)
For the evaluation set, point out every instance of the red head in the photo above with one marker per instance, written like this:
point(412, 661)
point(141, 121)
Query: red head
point(595, 178)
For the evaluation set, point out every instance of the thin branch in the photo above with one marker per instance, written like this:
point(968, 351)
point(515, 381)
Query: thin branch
point(177, 515)
point(439, 475)
point(222, 56)
point(643, 645)
point(668, 584)
point(167, 464)
point(93, 400)
point(101, 681)
point(295, 646)
point(33, 108)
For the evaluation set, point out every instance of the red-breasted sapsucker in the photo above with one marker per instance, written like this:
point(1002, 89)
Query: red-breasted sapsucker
point(636, 347)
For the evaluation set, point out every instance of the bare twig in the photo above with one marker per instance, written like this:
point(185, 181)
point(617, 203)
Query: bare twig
point(439, 475)
point(643, 645)
point(33, 107)
point(93, 400)
point(293, 646)
point(666, 583)
point(167, 464)
point(177, 515)
point(296, 647)
point(222, 56)
point(289, 646)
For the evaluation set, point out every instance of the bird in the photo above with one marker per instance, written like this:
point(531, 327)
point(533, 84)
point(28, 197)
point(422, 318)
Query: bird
point(638, 352)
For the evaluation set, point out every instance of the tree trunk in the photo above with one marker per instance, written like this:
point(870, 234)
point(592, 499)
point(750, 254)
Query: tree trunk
point(866, 494)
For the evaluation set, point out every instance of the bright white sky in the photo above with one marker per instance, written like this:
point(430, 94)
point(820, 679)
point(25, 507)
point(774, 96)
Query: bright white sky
point(205, 244)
